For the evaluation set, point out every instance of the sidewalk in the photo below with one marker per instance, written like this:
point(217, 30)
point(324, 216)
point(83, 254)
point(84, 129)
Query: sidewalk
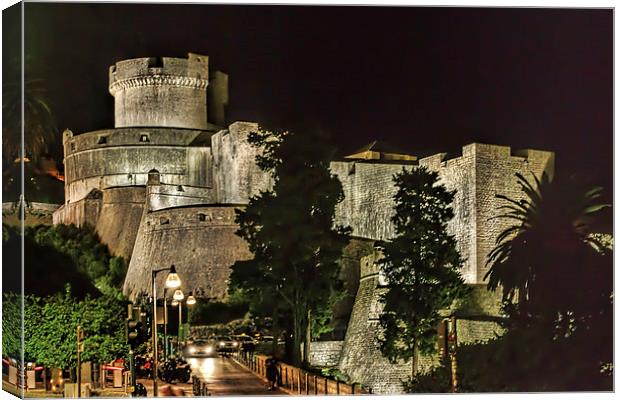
point(186, 387)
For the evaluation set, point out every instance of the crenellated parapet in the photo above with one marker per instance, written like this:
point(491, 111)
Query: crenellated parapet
point(160, 91)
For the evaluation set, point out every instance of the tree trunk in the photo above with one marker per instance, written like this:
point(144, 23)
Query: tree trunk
point(300, 325)
point(306, 359)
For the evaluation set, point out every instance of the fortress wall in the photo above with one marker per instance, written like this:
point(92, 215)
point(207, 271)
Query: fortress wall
point(199, 241)
point(168, 196)
point(125, 161)
point(361, 358)
point(80, 213)
point(184, 107)
point(325, 354)
point(119, 219)
point(495, 174)
point(368, 205)
point(350, 275)
point(166, 92)
point(459, 174)
point(237, 177)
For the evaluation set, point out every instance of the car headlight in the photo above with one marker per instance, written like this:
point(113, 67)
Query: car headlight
point(209, 349)
point(222, 344)
point(192, 350)
point(235, 344)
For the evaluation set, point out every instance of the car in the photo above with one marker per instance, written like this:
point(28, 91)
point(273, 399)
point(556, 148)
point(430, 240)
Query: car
point(201, 348)
point(226, 344)
point(245, 342)
point(266, 339)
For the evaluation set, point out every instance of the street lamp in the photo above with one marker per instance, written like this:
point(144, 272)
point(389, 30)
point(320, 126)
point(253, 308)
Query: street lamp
point(191, 300)
point(172, 282)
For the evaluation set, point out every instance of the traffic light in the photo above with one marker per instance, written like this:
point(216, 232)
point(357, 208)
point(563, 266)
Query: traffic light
point(134, 333)
point(135, 329)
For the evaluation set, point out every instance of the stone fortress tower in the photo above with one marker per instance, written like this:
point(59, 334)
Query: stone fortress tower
point(162, 187)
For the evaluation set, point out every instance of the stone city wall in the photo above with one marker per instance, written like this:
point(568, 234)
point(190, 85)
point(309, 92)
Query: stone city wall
point(325, 354)
point(368, 205)
point(199, 241)
point(165, 92)
point(495, 174)
point(168, 196)
point(361, 358)
point(124, 160)
point(81, 212)
point(119, 218)
point(237, 177)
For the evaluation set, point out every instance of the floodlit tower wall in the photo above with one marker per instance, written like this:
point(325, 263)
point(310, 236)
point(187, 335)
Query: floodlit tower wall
point(163, 92)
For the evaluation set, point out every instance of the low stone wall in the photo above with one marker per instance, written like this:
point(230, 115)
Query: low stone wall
point(325, 354)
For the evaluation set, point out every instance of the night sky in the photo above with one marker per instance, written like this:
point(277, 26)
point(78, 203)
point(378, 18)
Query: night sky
point(425, 80)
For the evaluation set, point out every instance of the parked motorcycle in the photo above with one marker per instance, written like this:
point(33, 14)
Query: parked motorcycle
point(175, 369)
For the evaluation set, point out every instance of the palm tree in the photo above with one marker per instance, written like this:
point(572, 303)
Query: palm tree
point(39, 124)
point(548, 261)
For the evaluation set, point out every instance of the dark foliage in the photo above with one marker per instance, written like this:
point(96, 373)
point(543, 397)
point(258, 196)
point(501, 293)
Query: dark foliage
point(290, 231)
point(421, 266)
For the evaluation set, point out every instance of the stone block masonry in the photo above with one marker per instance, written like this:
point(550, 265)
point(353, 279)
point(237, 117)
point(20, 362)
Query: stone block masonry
point(165, 92)
point(199, 241)
point(325, 354)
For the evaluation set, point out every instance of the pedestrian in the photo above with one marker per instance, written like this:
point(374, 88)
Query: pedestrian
point(272, 373)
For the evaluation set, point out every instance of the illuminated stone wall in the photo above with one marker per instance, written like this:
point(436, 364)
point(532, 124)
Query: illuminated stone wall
point(325, 354)
point(199, 241)
point(237, 177)
point(160, 91)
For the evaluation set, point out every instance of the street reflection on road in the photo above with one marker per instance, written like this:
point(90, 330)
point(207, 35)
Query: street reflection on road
point(224, 376)
point(203, 367)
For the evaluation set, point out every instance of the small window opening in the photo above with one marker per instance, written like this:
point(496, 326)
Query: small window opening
point(144, 138)
point(102, 140)
point(202, 217)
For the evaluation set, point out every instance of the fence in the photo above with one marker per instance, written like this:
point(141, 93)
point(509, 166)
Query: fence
point(299, 381)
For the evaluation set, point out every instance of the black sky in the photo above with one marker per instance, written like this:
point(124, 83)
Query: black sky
point(423, 79)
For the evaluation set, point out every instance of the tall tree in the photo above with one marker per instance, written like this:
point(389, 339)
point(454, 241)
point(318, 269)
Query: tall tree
point(421, 266)
point(290, 229)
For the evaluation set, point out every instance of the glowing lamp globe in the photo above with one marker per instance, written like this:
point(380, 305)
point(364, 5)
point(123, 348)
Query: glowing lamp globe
point(178, 295)
point(173, 281)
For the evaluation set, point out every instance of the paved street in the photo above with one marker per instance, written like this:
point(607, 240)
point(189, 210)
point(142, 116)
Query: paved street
point(224, 377)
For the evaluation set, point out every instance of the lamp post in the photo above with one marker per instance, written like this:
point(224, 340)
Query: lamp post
point(178, 297)
point(165, 325)
point(178, 301)
point(172, 282)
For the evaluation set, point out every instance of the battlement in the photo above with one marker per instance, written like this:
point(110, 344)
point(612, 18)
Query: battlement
point(161, 92)
point(160, 71)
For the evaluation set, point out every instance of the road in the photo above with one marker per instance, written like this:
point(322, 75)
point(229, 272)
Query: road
point(224, 377)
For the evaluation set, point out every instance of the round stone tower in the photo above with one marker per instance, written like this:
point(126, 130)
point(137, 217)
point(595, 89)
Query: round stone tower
point(160, 92)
